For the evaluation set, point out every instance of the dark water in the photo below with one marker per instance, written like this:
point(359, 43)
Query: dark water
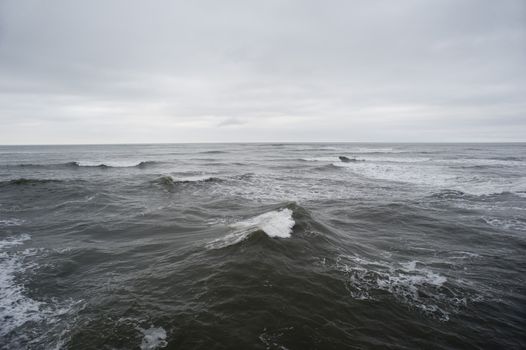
point(269, 246)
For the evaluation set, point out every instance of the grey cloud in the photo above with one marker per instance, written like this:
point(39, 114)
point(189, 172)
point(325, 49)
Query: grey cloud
point(271, 70)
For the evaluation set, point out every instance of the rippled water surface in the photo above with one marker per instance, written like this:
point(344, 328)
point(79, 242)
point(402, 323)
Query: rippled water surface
point(263, 246)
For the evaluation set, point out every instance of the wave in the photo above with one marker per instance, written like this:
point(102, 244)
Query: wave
point(343, 159)
point(448, 194)
point(435, 177)
point(168, 181)
point(213, 152)
point(377, 150)
point(30, 182)
point(89, 164)
point(483, 162)
point(142, 165)
point(320, 159)
point(52, 165)
point(351, 159)
point(397, 159)
point(275, 224)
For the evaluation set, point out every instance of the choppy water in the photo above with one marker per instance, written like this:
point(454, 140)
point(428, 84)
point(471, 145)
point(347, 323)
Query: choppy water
point(263, 246)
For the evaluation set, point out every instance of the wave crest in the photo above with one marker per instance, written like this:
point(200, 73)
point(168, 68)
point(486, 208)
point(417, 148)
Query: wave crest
point(275, 224)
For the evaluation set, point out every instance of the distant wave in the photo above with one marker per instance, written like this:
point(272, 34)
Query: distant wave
point(142, 165)
point(320, 159)
point(367, 159)
point(275, 224)
point(87, 164)
point(52, 165)
point(377, 150)
point(30, 182)
point(169, 182)
point(483, 162)
point(448, 194)
point(213, 152)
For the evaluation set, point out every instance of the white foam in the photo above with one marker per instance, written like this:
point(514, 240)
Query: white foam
point(16, 308)
point(11, 222)
point(435, 177)
point(276, 224)
point(506, 223)
point(405, 281)
point(14, 240)
point(153, 338)
point(421, 175)
point(481, 162)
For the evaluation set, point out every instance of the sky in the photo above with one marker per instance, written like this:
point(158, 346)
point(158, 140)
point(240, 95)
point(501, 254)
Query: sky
point(107, 71)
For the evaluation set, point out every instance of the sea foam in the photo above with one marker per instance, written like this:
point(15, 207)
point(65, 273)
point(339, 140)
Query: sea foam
point(153, 338)
point(16, 308)
point(408, 282)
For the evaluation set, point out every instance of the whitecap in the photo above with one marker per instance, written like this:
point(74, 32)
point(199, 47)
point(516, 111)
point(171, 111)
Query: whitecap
point(276, 224)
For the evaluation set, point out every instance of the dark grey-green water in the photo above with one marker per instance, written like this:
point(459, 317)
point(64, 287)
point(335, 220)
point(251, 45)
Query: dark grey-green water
point(263, 246)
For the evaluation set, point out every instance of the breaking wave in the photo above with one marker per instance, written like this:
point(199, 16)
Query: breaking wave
point(275, 224)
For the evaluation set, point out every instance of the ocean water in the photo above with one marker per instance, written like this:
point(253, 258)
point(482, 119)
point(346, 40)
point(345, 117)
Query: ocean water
point(263, 246)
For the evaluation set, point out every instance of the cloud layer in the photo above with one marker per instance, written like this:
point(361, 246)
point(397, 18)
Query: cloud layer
point(294, 70)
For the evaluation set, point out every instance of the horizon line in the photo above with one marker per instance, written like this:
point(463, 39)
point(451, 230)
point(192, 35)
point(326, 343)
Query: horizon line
point(259, 142)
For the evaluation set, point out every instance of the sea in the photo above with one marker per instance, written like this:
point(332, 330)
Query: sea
point(263, 246)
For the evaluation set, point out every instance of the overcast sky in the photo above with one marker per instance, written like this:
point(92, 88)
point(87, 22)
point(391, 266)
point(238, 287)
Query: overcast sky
point(226, 71)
